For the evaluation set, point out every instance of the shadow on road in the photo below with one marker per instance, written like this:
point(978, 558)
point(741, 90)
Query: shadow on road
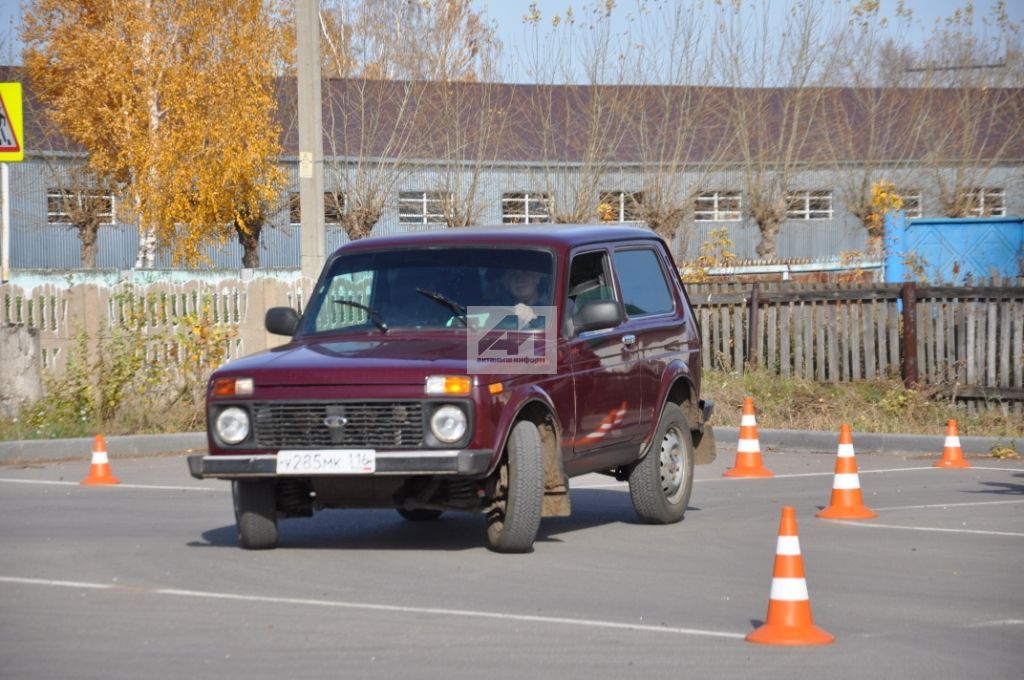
point(386, 530)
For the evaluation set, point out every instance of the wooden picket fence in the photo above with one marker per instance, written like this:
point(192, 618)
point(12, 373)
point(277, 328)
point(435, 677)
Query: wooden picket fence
point(968, 340)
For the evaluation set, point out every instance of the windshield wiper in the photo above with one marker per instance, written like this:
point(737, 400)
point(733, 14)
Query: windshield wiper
point(375, 317)
point(443, 299)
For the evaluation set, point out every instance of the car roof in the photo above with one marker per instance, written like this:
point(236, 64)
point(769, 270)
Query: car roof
point(557, 236)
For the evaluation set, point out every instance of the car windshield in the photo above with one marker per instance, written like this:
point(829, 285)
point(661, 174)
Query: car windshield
point(425, 288)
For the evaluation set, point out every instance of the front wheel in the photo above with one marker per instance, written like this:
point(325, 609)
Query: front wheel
point(514, 518)
point(255, 513)
point(660, 484)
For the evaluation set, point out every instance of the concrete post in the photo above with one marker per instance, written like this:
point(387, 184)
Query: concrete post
point(312, 239)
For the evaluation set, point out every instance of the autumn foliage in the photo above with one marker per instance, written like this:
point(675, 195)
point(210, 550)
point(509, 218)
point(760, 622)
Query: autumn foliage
point(173, 103)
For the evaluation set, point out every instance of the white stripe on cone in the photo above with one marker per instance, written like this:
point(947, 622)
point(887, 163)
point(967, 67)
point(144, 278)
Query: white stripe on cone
point(748, 446)
point(845, 451)
point(788, 545)
point(846, 480)
point(748, 420)
point(953, 442)
point(789, 589)
point(99, 457)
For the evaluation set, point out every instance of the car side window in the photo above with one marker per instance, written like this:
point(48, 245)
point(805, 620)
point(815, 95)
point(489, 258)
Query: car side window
point(642, 281)
point(588, 280)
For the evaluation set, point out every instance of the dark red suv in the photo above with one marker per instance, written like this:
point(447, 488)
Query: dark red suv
point(468, 369)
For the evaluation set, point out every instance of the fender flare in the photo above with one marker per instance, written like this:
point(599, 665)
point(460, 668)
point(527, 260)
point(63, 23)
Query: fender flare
point(674, 372)
point(520, 399)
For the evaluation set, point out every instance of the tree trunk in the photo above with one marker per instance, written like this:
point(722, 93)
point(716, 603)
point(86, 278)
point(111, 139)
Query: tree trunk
point(249, 239)
point(766, 248)
point(89, 235)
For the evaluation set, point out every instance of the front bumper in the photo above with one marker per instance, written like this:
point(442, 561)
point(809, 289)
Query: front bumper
point(463, 462)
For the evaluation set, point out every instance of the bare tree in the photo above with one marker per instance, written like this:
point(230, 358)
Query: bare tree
point(775, 105)
point(877, 127)
point(677, 127)
point(974, 72)
point(581, 108)
point(400, 59)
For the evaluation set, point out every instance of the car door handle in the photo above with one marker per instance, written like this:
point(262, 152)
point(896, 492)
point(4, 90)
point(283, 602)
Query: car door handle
point(629, 339)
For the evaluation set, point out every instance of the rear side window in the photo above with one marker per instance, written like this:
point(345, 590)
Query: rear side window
point(642, 281)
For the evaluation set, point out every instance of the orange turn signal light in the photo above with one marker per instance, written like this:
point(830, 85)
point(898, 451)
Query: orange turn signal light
point(449, 384)
point(232, 387)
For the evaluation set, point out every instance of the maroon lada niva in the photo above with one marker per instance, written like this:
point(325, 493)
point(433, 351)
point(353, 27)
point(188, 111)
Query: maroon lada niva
point(471, 369)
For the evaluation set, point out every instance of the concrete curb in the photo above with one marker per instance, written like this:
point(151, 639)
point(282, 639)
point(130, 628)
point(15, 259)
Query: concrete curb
point(798, 440)
point(129, 445)
point(864, 442)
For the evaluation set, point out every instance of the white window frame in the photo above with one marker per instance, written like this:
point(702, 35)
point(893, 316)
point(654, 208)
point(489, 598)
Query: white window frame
point(708, 206)
point(533, 207)
point(912, 197)
point(798, 205)
point(422, 207)
point(61, 217)
point(331, 216)
point(625, 205)
point(981, 199)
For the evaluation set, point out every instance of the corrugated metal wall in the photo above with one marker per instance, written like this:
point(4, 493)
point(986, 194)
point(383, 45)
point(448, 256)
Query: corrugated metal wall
point(36, 244)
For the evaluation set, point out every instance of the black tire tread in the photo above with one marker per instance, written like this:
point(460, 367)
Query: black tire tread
point(256, 514)
point(645, 490)
point(525, 458)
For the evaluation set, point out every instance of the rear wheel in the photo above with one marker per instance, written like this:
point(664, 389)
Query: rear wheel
point(255, 513)
point(660, 484)
point(514, 518)
point(420, 514)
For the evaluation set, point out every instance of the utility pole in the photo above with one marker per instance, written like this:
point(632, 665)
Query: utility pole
point(312, 239)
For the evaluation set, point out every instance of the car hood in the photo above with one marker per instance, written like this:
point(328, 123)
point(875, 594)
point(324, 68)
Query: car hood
point(362, 360)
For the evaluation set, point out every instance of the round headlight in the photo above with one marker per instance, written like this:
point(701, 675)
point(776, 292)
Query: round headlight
point(232, 425)
point(448, 424)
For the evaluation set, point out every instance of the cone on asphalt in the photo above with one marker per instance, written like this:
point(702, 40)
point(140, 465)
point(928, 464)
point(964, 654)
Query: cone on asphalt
point(99, 470)
point(789, 620)
point(846, 502)
point(952, 454)
point(748, 449)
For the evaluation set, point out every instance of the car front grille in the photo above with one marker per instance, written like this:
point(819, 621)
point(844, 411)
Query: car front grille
point(356, 424)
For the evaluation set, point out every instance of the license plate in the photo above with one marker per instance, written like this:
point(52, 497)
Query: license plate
point(327, 462)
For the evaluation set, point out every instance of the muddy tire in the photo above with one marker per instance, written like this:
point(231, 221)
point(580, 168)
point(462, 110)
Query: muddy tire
point(660, 484)
point(514, 518)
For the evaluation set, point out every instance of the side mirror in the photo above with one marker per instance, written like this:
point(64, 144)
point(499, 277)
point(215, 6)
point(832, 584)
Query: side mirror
point(596, 315)
point(281, 321)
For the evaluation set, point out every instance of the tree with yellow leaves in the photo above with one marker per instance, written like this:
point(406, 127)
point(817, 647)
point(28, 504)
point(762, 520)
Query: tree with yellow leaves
point(174, 104)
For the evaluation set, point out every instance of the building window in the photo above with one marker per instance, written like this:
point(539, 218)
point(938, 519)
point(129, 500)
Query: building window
point(717, 206)
point(60, 204)
point(911, 203)
point(620, 206)
point(334, 207)
point(421, 207)
point(986, 202)
point(809, 205)
point(525, 208)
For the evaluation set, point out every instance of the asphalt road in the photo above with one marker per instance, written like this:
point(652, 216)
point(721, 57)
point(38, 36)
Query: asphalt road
point(144, 580)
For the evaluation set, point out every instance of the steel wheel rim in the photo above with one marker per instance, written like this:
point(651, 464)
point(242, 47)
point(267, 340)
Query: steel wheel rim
point(671, 468)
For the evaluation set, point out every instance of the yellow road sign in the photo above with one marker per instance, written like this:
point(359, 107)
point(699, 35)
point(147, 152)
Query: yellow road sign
point(12, 139)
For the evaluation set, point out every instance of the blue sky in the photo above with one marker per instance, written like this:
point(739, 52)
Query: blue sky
point(507, 16)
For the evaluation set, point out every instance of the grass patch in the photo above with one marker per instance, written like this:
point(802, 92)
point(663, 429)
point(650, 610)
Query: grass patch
point(869, 406)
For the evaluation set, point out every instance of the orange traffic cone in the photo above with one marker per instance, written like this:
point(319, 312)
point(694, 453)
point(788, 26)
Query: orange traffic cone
point(846, 500)
point(952, 454)
point(789, 620)
point(99, 471)
point(748, 450)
